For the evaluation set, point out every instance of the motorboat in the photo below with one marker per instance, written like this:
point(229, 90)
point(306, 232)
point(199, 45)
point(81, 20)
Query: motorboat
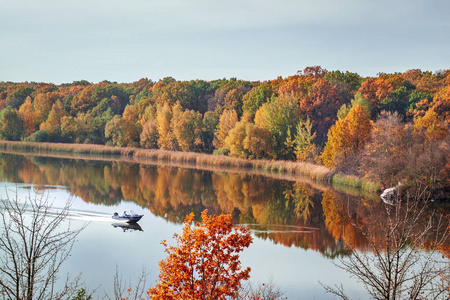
point(131, 217)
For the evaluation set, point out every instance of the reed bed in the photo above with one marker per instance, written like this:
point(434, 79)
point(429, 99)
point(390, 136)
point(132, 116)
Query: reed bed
point(354, 182)
point(314, 172)
point(61, 148)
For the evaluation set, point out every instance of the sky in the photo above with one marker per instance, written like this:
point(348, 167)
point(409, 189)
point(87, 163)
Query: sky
point(63, 41)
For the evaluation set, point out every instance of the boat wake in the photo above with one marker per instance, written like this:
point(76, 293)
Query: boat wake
point(89, 216)
point(74, 214)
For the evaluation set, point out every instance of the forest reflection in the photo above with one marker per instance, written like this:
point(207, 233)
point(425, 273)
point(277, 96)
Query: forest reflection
point(285, 212)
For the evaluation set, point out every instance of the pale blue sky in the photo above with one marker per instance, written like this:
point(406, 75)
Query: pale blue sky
point(125, 40)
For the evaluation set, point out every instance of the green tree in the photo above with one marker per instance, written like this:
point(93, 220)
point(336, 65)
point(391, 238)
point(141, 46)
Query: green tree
point(415, 97)
point(398, 101)
point(279, 117)
point(69, 129)
point(351, 80)
point(305, 150)
point(16, 98)
point(210, 122)
point(357, 100)
point(11, 125)
point(114, 131)
point(255, 98)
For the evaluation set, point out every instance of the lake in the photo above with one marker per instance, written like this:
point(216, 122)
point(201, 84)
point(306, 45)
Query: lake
point(298, 226)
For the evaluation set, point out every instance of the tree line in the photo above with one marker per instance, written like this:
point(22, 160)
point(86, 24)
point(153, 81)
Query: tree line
point(340, 119)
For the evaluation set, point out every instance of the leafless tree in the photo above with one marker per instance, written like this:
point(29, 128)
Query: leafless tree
point(35, 240)
point(404, 261)
point(124, 290)
point(262, 291)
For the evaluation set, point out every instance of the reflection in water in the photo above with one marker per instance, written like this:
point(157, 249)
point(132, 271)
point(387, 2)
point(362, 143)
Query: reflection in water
point(128, 226)
point(288, 213)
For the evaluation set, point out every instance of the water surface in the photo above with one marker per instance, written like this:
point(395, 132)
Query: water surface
point(298, 228)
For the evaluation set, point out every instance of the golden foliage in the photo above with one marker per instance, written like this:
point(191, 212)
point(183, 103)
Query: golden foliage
point(227, 121)
point(26, 113)
point(347, 137)
point(431, 125)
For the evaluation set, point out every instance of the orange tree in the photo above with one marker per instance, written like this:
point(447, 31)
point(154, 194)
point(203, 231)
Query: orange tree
point(205, 263)
point(347, 137)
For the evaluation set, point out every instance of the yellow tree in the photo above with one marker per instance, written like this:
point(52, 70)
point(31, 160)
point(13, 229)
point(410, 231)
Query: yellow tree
point(347, 137)
point(166, 138)
point(53, 124)
point(235, 140)
point(257, 142)
point(233, 100)
point(305, 150)
point(187, 128)
point(227, 121)
point(42, 104)
point(205, 263)
point(130, 126)
point(149, 135)
point(430, 123)
point(441, 103)
point(26, 114)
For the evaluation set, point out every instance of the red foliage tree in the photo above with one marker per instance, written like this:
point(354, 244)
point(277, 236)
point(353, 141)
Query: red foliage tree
point(376, 90)
point(205, 263)
point(321, 105)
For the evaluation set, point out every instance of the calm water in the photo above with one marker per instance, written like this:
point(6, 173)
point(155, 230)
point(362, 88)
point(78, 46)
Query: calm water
point(297, 228)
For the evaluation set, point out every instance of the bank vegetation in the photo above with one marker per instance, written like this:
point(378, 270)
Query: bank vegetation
point(385, 129)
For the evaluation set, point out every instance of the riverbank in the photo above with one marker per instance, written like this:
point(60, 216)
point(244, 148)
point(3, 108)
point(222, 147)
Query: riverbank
point(312, 171)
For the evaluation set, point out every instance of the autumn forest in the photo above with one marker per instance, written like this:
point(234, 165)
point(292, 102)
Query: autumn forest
point(386, 129)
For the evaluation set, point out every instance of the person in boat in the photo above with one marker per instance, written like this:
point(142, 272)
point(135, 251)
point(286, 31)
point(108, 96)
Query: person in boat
point(125, 214)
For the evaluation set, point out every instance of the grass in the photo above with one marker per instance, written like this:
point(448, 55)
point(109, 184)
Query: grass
point(348, 180)
point(355, 182)
point(313, 172)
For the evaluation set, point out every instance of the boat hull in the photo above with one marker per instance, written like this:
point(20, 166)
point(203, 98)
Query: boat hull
point(128, 219)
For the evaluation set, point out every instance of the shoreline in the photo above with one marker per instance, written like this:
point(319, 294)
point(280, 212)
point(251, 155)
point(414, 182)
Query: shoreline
point(293, 170)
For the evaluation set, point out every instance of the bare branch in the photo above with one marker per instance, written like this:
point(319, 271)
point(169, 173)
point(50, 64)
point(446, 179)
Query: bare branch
point(35, 241)
point(404, 261)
